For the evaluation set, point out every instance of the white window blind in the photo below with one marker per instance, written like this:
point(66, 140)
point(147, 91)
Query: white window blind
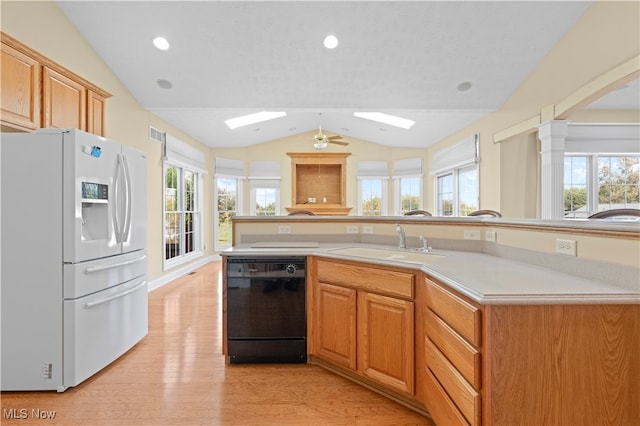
point(264, 174)
point(460, 154)
point(373, 169)
point(407, 167)
point(228, 167)
point(182, 154)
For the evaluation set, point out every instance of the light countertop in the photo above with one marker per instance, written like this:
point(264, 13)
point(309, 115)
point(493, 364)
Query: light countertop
point(484, 278)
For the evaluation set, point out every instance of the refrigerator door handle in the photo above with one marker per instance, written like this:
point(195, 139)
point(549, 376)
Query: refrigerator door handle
point(89, 305)
point(114, 265)
point(127, 198)
point(117, 195)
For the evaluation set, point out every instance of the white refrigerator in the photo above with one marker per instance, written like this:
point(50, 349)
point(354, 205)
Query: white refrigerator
point(73, 263)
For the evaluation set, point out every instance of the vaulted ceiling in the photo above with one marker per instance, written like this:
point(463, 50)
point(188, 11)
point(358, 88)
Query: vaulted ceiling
point(405, 58)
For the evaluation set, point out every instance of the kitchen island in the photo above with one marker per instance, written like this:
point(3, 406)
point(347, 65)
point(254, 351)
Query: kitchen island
point(470, 337)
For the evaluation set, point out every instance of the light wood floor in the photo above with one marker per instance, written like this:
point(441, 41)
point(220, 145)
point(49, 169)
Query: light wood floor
point(177, 376)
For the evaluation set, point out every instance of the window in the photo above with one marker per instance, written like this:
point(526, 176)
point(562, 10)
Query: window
point(264, 182)
point(408, 185)
point(182, 212)
point(183, 170)
point(229, 175)
point(597, 182)
point(457, 183)
point(444, 194)
point(372, 188)
point(457, 192)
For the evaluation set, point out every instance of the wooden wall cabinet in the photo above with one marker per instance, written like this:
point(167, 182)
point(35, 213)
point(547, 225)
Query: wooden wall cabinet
point(319, 182)
point(37, 92)
point(20, 94)
point(363, 320)
point(64, 101)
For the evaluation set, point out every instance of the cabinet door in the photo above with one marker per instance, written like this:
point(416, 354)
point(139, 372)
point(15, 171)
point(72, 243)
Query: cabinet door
point(336, 324)
point(386, 340)
point(64, 101)
point(20, 94)
point(95, 113)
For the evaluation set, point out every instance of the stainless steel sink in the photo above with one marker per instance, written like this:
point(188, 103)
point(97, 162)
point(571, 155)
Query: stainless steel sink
point(412, 256)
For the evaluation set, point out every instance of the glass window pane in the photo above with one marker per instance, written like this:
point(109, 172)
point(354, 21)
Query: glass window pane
point(575, 186)
point(371, 197)
point(445, 195)
point(468, 190)
point(409, 194)
point(265, 201)
point(618, 183)
point(227, 192)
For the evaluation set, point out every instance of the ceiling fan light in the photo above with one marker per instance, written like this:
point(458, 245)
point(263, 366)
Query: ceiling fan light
point(320, 144)
point(258, 117)
point(391, 120)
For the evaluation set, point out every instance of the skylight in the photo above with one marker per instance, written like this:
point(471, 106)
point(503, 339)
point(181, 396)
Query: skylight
point(258, 117)
point(391, 120)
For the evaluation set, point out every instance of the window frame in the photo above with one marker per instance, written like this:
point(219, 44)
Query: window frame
point(197, 228)
point(216, 212)
point(454, 172)
point(384, 183)
point(592, 180)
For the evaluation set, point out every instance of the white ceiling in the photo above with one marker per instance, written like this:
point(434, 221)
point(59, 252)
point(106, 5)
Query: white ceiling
point(404, 58)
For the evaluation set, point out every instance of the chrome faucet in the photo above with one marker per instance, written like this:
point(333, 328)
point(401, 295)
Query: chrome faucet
point(403, 240)
point(425, 245)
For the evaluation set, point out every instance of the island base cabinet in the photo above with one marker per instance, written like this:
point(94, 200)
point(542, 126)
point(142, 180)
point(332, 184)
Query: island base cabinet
point(562, 365)
point(336, 324)
point(385, 340)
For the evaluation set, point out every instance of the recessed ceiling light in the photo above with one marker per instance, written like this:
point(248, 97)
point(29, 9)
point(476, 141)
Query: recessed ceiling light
point(330, 41)
point(391, 120)
point(165, 84)
point(464, 86)
point(258, 117)
point(161, 43)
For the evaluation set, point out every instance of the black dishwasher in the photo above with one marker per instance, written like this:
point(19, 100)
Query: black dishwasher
point(266, 309)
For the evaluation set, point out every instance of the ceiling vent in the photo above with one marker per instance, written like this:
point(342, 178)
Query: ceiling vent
point(156, 135)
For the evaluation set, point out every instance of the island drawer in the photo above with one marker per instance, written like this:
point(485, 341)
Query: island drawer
point(459, 314)
point(441, 408)
point(372, 279)
point(466, 398)
point(458, 351)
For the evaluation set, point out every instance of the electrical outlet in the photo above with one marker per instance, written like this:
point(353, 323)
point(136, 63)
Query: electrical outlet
point(284, 229)
point(471, 234)
point(367, 229)
point(490, 236)
point(352, 229)
point(567, 247)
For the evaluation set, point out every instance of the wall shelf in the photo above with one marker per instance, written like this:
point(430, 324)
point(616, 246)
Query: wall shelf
point(318, 183)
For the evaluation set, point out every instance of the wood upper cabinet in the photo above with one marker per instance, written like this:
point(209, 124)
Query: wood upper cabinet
point(37, 92)
point(319, 182)
point(96, 106)
point(363, 319)
point(20, 94)
point(64, 101)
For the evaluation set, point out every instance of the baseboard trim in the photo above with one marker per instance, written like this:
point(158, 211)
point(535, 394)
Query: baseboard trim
point(177, 273)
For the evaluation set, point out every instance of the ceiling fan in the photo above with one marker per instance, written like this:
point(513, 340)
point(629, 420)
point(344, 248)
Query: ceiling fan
point(321, 140)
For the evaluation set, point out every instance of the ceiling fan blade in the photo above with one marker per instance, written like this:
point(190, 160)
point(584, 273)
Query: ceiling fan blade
point(343, 143)
point(335, 137)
